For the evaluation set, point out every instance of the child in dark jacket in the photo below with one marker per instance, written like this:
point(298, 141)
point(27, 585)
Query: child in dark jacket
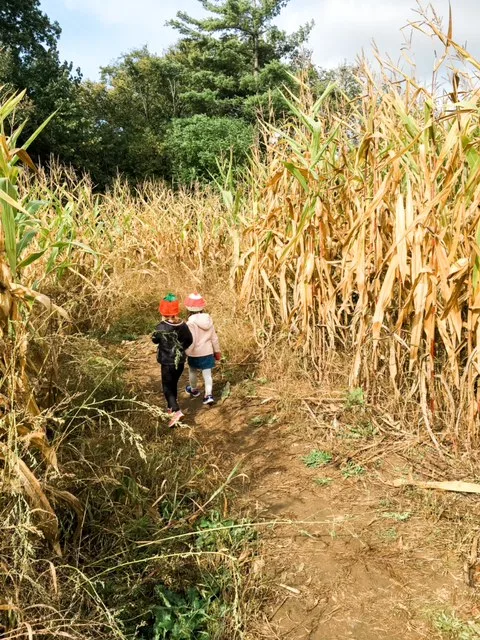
point(173, 337)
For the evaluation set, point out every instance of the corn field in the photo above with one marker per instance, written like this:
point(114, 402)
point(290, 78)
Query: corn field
point(367, 240)
point(356, 232)
point(73, 261)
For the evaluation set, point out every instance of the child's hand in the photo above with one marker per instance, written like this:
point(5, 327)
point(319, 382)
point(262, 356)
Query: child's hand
point(218, 356)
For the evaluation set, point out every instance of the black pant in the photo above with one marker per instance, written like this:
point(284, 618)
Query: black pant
point(170, 377)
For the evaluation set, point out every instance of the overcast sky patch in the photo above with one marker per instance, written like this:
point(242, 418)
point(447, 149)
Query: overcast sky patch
point(96, 32)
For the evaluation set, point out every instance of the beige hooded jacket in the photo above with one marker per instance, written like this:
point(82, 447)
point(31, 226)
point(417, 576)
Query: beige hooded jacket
point(205, 339)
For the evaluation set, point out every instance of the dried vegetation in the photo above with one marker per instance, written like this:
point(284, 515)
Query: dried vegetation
point(357, 232)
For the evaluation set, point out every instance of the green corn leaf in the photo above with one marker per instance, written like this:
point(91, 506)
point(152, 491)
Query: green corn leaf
point(308, 211)
point(25, 241)
point(324, 147)
point(35, 205)
point(328, 90)
point(8, 222)
point(295, 171)
point(8, 107)
point(30, 259)
point(16, 134)
point(52, 259)
point(83, 247)
point(35, 135)
point(12, 201)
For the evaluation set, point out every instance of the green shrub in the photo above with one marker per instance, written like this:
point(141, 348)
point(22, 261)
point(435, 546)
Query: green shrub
point(183, 616)
point(196, 144)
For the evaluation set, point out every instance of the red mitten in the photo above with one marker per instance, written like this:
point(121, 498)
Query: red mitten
point(218, 356)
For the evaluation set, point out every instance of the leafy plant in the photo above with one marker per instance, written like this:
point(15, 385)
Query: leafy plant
point(317, 458)
point(398, 516)
point(453, 628)
point(181, 616)
point(265, 420)
point(216, 533)
point(361, 431)
point(355, 398)
point(352, 470)
point(389, 534)
point(323, 482)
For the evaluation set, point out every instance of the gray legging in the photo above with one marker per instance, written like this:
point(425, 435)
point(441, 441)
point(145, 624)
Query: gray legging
point(207, 379)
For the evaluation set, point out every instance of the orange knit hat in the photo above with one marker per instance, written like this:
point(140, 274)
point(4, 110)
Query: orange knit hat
point(195, 302)
point(169, 306)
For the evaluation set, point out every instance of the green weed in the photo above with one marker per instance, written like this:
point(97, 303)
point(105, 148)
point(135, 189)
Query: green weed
point(352, 470)
point(261, 421)
point(386, 503)
point(323, 482)
point(247, 389)
point(452, 628)
point(363, 431)
point(317, 459)
point(87, 370)
point(355, 398)
point(389, 534)
point(131, 326)
point(182, 616)
point(217, 533)
point(398, 516)
point(226, 391)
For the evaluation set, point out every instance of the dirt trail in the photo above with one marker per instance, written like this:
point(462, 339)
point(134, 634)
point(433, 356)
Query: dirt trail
point(368, 568)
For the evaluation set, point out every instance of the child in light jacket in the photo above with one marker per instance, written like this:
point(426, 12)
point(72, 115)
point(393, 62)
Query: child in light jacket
point(205, 349)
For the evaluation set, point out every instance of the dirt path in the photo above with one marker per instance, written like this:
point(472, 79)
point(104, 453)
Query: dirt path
point(359, 559)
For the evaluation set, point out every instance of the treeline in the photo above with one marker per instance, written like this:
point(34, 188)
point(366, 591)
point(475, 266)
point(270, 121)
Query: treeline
point(171, 116)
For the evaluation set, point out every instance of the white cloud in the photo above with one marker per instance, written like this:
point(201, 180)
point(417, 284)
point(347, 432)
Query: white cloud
point(343, 28)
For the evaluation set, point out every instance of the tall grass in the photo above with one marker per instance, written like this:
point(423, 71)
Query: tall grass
point(141, 236)
point(84, 474)
point(367, 239)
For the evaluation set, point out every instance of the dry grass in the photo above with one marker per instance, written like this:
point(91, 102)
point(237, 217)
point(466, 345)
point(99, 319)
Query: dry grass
point(122, 250)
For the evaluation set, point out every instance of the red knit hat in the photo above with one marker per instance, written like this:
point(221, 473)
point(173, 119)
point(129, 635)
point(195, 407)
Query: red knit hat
point(169, 306)
point(195, 302)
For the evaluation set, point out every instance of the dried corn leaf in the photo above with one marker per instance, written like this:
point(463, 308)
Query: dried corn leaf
point(448, 485)
point(45, 515)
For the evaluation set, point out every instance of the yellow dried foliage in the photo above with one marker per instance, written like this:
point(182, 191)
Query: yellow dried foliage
point(368, 236)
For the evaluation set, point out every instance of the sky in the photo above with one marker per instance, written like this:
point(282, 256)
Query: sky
point(96, 32)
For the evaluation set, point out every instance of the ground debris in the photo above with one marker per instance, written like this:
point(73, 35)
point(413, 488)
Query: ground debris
point(447, 485)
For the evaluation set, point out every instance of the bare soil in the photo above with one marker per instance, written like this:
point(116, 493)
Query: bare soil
point(349, 556)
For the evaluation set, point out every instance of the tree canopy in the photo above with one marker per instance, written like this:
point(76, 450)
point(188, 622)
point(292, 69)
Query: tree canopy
point(29, 59)
point(250, 23)
point(168, 116)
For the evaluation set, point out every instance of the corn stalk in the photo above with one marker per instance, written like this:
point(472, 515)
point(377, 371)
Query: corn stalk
point(18, 228)
point(367, 239)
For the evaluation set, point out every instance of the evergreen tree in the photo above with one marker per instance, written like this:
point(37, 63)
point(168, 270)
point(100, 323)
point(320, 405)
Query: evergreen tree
point(250, 22)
